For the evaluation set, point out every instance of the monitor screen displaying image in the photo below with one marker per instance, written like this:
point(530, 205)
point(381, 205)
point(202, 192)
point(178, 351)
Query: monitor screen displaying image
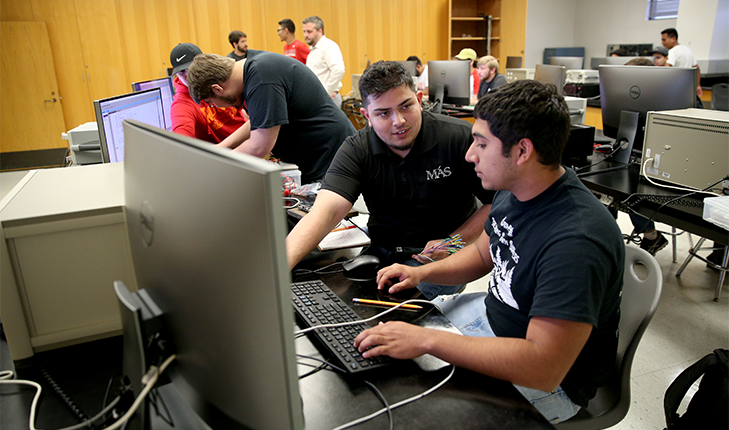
point(168, 93)
point(144, 106)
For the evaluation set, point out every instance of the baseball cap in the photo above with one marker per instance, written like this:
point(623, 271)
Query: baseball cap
point(467, 54)
point(660, 49)
point(182, 55)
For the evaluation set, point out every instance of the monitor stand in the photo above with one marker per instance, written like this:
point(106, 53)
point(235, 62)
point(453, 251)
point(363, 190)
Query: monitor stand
point(626, 136)
point(437, 97)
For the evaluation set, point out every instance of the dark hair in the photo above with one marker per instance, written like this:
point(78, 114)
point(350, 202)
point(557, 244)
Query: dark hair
point(288, 25)
point(318, 22)
point(416, 59)
point(620, 52)
point(670, 32)
point(381, 77)
point(640, 61)
point(235, 36)
point(527, 109)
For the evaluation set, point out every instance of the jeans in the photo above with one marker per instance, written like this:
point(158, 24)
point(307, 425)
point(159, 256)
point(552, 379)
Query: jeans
point(641, 224)
point(468, 313)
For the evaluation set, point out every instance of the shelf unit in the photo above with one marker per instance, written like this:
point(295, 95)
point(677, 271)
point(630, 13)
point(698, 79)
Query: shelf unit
point(474, 24)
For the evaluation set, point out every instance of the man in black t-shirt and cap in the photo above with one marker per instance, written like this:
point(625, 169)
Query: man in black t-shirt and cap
point(290, 114)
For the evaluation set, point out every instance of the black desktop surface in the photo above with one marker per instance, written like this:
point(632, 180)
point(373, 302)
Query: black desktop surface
point(468, 401)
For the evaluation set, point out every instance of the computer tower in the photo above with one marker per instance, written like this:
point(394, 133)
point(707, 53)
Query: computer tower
point(688, 147)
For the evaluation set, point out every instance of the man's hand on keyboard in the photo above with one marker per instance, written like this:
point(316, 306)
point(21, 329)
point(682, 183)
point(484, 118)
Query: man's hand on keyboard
point(397, 277)
point(395, 339)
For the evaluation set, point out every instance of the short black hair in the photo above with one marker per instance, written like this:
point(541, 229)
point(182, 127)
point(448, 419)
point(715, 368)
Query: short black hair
point(670, 32)
point(235, 36)
point(288, 25)
point(381, 77)
point(527, 109)
point(416, 59)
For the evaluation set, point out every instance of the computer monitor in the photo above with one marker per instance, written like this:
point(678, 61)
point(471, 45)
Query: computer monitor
point(448, 81)
point(554, 75)
point(513, 63)
point(168, 94)
point(145, 106)
point(215, 265)
point(639, 89)
point(570, 63)
point(410, 66)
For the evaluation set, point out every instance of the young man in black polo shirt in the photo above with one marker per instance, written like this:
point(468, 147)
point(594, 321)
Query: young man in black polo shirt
point(409, 166)
point(550, 319)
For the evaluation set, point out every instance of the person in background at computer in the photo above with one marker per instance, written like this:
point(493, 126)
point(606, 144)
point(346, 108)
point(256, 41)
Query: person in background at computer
point(325, 58)
point(202, 121)
point(488, 72)
point(660, 55)
point(620, 52)
point(680, 55)
point(468, 54)
point(239, 41)
point(290, 113)
point(294, 48)
point(549, 322)
point(410, 168)
point(421, 71)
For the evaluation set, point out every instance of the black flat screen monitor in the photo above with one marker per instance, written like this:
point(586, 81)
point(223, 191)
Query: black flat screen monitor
point(145, 106)
point(448, 81)
point(641, 89)
point(554, 75)
point(215, 264)
point(168, 93)
point(410, 66)
point(570, 63)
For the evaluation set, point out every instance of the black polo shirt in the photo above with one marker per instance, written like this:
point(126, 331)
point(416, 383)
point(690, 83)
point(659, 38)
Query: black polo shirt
point(424, 196)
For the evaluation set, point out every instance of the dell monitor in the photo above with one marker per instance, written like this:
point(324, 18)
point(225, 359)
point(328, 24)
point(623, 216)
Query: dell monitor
point(629, 92)
point(168, 94)
point(448, 82)
point(214, 263)
point(570, 63)
point(554, 75)
point(145, 106)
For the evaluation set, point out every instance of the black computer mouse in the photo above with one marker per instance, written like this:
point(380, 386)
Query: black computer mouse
point(362, 268)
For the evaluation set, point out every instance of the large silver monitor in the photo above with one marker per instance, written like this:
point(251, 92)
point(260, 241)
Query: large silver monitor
point(554, 75)
point(207, 233)
point(570, 63)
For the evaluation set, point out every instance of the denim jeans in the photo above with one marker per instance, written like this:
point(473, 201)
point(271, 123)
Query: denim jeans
point(468, 313)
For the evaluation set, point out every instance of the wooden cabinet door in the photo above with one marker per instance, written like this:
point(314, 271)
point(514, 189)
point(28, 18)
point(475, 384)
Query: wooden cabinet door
point(32, 117)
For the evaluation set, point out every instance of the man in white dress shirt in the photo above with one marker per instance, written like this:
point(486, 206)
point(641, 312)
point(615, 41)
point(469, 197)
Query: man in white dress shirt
point(325, 58)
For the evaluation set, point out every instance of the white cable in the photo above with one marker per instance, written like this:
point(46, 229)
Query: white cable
point(397, 405)
point(4, 380)
point(149, 379)
point(670, 186)
point(304, 331)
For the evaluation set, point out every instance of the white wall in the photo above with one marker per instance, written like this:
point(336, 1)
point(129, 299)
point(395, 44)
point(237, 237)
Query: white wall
point(550, 24)
point(706, 40)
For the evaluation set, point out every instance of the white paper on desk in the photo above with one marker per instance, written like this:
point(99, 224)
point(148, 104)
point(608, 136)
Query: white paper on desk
point(345, 235)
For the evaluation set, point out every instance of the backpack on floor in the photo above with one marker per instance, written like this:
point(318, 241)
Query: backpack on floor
point(709, 406)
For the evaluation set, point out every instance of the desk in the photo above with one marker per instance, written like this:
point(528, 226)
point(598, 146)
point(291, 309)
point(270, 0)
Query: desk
point(619, 184)
point(467, 401)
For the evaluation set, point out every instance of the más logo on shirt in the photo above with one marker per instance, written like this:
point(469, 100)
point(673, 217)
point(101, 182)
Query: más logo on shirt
point(438, 173)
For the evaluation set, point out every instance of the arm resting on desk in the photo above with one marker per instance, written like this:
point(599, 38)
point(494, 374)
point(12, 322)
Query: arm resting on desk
point(329, 208)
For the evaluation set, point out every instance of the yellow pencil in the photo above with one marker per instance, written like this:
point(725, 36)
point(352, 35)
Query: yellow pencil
point(378, 302)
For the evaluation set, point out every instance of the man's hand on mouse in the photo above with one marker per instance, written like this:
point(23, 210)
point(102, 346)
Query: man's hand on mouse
point(407, 276)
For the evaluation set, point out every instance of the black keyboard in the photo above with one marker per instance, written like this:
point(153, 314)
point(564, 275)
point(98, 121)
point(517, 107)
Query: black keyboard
point(316, 304)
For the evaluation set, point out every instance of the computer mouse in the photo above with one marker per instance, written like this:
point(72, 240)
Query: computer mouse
point(362, 268)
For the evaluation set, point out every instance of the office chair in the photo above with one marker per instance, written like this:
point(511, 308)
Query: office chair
point(637, 307)
point(720, 97)
point(723, 267)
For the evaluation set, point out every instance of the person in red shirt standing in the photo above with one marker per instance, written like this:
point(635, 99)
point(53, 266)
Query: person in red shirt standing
point(202, 121)
point(294, 48)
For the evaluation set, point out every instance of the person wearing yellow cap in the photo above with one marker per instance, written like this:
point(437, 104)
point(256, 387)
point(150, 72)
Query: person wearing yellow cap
point(474, 81)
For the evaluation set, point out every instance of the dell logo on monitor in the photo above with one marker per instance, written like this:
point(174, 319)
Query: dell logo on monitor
point(634, 92)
